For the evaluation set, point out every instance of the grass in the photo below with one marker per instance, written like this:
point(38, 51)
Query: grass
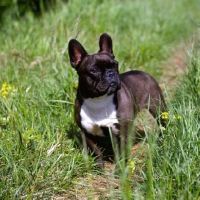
point(39, 156)
point(176, 170)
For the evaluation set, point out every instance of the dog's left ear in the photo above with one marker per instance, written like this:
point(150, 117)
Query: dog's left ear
point(105, 44)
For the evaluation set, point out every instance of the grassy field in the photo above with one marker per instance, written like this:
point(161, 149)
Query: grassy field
point(40, 154)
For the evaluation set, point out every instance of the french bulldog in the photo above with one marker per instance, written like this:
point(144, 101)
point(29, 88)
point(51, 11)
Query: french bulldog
point(106, 101)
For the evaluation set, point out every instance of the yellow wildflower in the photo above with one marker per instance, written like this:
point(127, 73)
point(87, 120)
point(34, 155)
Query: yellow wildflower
point(75, 86)
point(177, 117)
point(131, 165)
point(165, 115)
point(163, 128)
point(6, 89)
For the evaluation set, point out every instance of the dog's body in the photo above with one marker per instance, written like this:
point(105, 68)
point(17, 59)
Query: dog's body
point(107, 101)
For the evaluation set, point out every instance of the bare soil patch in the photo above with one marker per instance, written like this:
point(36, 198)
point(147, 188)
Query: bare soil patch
point(174, 68)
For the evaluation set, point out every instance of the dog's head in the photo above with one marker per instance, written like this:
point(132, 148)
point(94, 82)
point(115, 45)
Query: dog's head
point(98, 73)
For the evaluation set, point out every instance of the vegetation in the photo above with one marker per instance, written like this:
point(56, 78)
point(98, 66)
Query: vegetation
point(40, 153)
point(17, 8)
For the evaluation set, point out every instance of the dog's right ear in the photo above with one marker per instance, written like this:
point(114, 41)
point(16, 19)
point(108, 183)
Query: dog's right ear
point(105, 44)
point(76, 53)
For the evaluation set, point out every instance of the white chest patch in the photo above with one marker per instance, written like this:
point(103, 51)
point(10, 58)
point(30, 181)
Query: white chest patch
point(98, 112)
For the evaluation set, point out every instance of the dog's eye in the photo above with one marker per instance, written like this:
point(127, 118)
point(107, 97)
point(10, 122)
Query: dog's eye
point(94, 70)
point(116, 64)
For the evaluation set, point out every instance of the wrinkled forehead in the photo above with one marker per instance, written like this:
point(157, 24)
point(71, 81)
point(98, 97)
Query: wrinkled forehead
point(99, 59)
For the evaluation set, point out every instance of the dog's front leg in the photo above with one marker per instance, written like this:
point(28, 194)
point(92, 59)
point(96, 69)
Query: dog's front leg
point(94, 148)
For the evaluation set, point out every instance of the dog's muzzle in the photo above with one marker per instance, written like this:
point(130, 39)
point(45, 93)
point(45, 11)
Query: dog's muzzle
point(114, 86)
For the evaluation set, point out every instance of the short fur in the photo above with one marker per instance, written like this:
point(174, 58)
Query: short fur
point(109, 101)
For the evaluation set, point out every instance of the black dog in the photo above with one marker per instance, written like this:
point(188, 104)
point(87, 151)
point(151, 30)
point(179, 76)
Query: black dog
point(106, 100)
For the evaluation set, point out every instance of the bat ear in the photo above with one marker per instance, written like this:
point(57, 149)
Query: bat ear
point(76, 53)
point(105, 44)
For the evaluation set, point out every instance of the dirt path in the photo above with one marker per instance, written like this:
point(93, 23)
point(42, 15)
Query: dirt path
point(98, 186)
point(174, 67)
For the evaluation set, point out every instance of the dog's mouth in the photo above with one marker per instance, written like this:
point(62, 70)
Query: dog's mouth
point(101, 90)
point(113, 88)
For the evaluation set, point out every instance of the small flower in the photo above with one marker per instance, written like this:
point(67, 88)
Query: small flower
point(131, 165)
point(165, 115)
point(163, 128)
point(7, 89)
point(177, 117)
point(75, 86)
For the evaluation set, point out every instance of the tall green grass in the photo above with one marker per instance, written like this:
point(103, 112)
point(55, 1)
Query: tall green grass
point(38, 155)
point(175, 174)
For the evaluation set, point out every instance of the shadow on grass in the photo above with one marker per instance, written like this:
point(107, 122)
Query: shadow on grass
point(105, 143)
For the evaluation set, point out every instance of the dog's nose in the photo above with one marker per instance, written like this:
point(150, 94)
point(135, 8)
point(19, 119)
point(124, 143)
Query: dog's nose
point(110, 74)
